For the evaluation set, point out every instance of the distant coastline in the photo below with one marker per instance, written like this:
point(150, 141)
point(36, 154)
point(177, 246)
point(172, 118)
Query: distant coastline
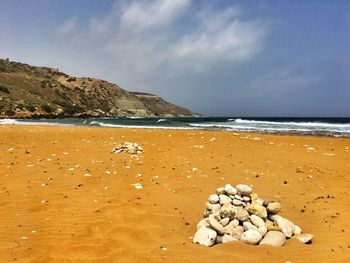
point(42, 92)
point(329, 127)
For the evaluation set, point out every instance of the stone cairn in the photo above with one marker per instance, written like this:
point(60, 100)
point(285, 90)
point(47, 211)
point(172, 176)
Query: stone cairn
point(128, 147)
point(236, 213)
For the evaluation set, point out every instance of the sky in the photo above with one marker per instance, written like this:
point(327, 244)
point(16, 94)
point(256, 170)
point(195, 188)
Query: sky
point(218, 58)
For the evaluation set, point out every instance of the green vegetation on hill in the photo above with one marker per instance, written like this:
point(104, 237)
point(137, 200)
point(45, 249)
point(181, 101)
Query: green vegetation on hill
point(27, 91)
point(4, 89)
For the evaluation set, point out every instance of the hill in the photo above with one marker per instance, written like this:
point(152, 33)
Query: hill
point(156, 103)
point(31, 92)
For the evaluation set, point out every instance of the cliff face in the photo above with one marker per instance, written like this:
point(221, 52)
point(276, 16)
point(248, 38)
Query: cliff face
point(161, 107)
point(27, 91)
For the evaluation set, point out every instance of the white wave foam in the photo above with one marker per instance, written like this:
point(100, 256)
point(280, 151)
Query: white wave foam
point(96, 122)
point(37, 123)
point(108, 125)
point(236, 125)
point(8, 121)
point(264, 128)
point(311, 124)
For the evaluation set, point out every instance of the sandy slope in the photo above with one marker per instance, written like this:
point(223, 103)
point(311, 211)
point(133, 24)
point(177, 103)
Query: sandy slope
point(51, 212)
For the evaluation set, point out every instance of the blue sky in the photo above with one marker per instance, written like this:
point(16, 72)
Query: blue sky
point(237, 58)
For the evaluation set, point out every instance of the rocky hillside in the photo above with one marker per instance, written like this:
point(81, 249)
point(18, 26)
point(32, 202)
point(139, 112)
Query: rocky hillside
point(156, 104)
point(32, 92)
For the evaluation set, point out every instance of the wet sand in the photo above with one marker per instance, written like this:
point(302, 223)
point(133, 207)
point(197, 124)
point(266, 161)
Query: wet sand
point(65, 197)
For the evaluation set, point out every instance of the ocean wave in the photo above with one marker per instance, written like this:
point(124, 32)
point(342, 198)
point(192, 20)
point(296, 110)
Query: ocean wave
point(25, 122)
point(234, 124)
point(276, 128)
point(9, 121)
point(96, 123)
point(109, 125)
point(311, 124)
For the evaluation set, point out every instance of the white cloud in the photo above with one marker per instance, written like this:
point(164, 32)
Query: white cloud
point(139, 16)
point(144, 41)
point(67, 27)
point(234, 41)
point(144, 36)
point(101, 26)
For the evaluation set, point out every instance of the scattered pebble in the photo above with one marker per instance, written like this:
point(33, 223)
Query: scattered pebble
point(137, 186)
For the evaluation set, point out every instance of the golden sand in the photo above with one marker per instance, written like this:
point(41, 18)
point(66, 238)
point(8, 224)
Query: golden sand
point(65, 197)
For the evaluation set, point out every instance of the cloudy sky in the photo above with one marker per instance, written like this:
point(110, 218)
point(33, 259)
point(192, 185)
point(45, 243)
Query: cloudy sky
point(219, 58)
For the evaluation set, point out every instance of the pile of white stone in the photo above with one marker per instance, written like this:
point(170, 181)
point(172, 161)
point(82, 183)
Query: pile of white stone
point(128, 147)
point(236, 213)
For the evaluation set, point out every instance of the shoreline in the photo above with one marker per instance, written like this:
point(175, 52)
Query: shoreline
point(65, 197)
point(170, 128)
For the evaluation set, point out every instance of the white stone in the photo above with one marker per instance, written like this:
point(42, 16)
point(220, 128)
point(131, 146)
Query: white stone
point(258, 210)
point(273, 207)
point(212, 206)
point(262, 230)
point(257, 221)
point(216, 214)
point(220, 190)
point(205, 236)
point(216, 225)
point(235, 231)
point(259, 201)
point(249, 226)
point(305, 238)
point(274, 238)
point(297, 230)
point(286, 226)
point(229, 189)
point(137, 186)
point(237, 202)
point(213, 199)
point(244, 189)
point(224, 221)
point(234, 223)
point(241, 215)
point(238, 197)
point(203, 223)
point(251, 237)
point(246, 198)
point(228, 210)
point(206, 213)
point(224, 199)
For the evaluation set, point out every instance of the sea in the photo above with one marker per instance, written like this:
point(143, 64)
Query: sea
point(331, 127)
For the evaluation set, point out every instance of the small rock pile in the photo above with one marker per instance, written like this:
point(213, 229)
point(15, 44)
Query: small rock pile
point(236, 213)
point(128, 147)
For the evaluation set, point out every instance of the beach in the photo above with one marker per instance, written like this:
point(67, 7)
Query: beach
point(65, 197)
